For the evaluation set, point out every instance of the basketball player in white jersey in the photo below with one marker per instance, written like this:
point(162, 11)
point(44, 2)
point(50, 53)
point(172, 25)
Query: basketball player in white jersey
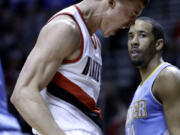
point(155, 108)
point(66, 61)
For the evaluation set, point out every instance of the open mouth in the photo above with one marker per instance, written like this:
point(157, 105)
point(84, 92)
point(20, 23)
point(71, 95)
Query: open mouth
point(134, 53)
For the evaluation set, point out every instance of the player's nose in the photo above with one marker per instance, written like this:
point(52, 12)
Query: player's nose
point(135, 41)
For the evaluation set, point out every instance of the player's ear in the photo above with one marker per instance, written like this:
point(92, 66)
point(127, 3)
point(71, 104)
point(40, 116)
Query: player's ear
point(112, 3)
point(159, 44)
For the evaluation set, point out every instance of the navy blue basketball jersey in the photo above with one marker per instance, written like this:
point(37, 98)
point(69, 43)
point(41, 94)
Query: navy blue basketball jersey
point(145, 114)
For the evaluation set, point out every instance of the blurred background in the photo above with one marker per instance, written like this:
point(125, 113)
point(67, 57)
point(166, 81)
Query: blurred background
point(21, 21)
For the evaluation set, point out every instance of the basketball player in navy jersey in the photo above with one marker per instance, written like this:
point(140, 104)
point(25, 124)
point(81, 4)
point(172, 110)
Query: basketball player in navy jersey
point(155, 108)
point(8, 123)
point(66, 61)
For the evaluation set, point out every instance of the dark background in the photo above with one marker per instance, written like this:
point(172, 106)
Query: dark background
point(21, 21)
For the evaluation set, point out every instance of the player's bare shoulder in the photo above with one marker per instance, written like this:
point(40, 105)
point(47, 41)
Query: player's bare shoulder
point(65, 26)
point(61, 34)
point(167, 83)
point(63, 20)
point(169, 74)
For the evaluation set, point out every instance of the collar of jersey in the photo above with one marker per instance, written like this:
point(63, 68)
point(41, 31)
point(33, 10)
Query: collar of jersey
point(142, 82)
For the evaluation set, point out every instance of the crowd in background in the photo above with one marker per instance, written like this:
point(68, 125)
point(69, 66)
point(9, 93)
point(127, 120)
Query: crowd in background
point(21, 21)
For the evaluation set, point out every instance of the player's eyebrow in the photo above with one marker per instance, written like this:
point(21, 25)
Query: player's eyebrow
point(139, 31)
point(142, 31)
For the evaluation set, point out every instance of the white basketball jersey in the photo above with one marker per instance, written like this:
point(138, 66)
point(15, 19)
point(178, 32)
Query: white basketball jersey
point(81, 76)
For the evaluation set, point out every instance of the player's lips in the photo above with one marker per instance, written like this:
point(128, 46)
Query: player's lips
point(134, 52)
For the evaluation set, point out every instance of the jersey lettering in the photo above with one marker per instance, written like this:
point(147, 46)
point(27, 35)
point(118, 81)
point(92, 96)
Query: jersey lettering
point(142, 109)
point(131, 129)
point(93, 69)
point(138, 110)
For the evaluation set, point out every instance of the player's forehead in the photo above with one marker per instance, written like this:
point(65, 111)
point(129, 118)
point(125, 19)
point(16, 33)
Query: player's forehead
point(141, 26)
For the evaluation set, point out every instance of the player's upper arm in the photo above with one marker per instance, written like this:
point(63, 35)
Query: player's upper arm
point(57, 40)
point(167, 86)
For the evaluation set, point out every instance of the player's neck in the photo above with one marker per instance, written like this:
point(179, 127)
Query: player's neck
point(90, 14)
point(146, 71)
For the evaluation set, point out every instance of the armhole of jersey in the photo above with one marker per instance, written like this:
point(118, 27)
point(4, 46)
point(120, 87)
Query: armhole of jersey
point(153, 85)
point(81, 34)
point(155, 99)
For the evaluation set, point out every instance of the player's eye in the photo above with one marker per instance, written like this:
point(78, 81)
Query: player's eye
point(142, 35)
point(130, 36)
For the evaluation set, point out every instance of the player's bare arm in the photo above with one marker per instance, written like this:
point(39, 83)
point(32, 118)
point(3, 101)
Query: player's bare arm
point(167, 89)
point(58, 40)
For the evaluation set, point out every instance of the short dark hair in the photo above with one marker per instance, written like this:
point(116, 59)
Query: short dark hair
point(145, 2)
point(157, 28)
